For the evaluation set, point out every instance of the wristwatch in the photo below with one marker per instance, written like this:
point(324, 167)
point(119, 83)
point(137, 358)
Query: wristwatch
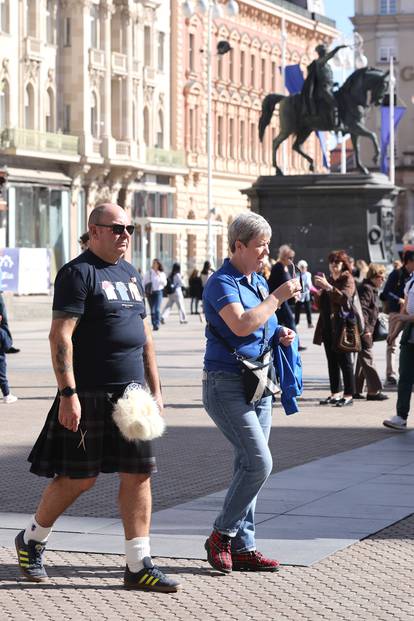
point(67, 392)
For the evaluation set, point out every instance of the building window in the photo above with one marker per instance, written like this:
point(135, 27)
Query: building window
point(388, 7)
point(50, 111)
point(134, 122)
point(385, 53)
point(29, 107)
point(66, 118)
point(161, 44)
point(263, 73)
point(242, 141)
point(274, 74)
point(231, 65)
point(4, 15)
point(191, 129)
point(231, 138)
point(252, 70)
point(191, 42)
point(147, 46)
point(160, 130)
point(146, 127)
point(67, 32)
point(253, 139)
point(50, 22)
point(220, 137)
point(94, 116)
point(31, 18)
point(242, 66)
point(4, 104)
point(94, 34)
point(220, 66)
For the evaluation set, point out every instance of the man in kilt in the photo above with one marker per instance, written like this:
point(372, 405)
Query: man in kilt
point(100, 343)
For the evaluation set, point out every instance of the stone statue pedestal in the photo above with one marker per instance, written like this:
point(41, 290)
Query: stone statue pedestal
point(319, 213)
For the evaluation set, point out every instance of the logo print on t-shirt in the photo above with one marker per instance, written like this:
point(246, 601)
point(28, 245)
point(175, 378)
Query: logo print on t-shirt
point(109, 290)
point(122, 290)
point(134, 292)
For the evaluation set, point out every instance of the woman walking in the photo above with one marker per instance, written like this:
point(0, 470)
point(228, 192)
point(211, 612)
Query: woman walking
point(335, 294)
point(175, 295)
point(195, 289)
point(154, 283)
point(365, 369)
point(241, 317)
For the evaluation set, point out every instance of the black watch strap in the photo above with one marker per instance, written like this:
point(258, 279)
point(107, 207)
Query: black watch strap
point(67, 392)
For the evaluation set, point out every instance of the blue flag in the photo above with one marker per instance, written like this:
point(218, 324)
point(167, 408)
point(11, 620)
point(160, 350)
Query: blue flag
point(294, 82)
point(385, 132)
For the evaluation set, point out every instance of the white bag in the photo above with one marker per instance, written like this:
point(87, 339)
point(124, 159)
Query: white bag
point(137, 416)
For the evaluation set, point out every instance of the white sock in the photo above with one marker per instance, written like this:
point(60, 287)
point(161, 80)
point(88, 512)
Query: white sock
point(35, 532)
point(136, 550)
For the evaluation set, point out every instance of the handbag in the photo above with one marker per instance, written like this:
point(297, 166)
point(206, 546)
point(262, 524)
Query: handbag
point(381, 328)
point(148, 289)
point(348, 334)
point(258, 374)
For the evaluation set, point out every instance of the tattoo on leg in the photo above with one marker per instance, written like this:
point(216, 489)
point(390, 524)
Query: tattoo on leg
point(63, 364)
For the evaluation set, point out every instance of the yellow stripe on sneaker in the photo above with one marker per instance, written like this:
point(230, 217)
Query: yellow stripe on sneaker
point(155, 581)
point(23, 553)
point(24, 565)
point(144, 577)
point(150, 579)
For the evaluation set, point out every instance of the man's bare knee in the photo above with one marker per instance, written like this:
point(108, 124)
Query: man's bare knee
point(76, 485)
point(135, 479)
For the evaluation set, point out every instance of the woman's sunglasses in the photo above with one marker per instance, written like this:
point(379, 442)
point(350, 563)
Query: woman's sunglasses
point(119, 229)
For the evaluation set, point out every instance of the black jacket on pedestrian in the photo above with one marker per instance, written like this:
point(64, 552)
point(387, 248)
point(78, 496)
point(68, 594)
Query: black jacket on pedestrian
point(394, 289)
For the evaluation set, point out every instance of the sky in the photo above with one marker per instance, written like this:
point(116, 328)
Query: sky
point(340, 10)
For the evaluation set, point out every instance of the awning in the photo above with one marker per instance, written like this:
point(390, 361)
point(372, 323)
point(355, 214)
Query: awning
point(40, 177)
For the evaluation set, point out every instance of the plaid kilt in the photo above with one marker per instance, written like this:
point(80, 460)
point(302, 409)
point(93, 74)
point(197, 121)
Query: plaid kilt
point(97, 446)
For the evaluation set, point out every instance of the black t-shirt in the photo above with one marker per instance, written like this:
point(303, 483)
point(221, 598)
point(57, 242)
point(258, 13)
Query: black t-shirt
point(109, 338)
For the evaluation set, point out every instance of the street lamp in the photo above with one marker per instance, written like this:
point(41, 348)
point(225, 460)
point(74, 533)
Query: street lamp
point(213, 11)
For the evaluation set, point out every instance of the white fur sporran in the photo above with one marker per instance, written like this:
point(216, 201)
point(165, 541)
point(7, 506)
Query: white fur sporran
point(137, 416)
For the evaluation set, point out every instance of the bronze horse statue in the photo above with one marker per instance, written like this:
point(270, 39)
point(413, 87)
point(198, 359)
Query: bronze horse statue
point(352, 100)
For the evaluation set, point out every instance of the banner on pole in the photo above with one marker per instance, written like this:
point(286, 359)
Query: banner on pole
point(385, 132)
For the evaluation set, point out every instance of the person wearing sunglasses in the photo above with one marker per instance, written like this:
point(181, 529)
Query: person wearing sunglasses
point(334, 293)
point(101, 346)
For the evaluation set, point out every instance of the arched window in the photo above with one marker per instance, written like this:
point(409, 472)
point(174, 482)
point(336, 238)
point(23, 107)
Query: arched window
point(4, 104)
point(146, 127)
point(160, 130)
point(50, 124)
point(94, 116)
point(29, 112)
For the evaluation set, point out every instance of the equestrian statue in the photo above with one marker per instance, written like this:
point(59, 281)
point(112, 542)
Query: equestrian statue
point(319, 108)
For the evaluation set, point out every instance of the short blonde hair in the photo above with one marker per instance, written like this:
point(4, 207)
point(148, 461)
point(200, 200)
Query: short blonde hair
point(247, 226)
point(374, 270)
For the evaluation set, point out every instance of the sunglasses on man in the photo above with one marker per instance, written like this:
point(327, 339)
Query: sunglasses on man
point(119, 229)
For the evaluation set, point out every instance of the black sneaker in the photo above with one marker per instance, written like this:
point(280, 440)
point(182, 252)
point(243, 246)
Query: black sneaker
point(378, 397)
point(150, 578)
point(30, 559)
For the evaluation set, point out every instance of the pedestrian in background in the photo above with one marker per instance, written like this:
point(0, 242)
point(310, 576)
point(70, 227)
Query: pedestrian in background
point(393, 297)
point(206, 272)
point(5, 344)
point(365, 367)
point(4, 323)
point(154, 282)
point(406, 378)
point(84, 241)
point(174, 290)
point(195, 290)
point(305, 297)
point(335, 292)
point(282, 271)
point(241, 316)
point(361, 270)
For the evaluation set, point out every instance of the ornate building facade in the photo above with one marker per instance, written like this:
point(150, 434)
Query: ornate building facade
point(240, 80)
point(387, 28)
point(106, 100)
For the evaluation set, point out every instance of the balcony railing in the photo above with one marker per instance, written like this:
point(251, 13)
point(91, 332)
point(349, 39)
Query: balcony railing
point(119, 63)
point(32, 140)
point(122, 148)
point(33, 48)
point(164, 157)
point(150, 75)
point(96, 58)
point(136, 66)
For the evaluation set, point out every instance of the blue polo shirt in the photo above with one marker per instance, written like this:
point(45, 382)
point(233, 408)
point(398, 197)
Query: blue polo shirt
point(227, 286)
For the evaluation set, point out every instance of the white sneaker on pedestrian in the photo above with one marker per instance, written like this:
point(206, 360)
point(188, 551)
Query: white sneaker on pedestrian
point(9, 399)
point(396, 422)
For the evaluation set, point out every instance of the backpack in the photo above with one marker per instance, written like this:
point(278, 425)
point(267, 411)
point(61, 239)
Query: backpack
point(169, 287)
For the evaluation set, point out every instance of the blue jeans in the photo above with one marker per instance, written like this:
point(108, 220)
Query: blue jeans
point(155, 304)
point(247, 427)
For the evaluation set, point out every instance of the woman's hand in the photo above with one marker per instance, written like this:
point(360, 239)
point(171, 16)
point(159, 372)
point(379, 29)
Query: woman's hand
point(287, 290)
point(286, 336)
point(320, 281)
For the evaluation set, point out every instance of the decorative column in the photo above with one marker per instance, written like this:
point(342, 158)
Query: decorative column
point(106, 8)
